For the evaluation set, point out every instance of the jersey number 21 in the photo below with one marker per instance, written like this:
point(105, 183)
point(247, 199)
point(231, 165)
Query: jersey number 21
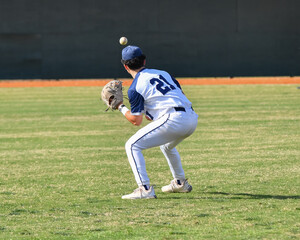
point(162, 85)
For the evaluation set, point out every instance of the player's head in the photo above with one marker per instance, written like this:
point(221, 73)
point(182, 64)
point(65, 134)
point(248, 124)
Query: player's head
point(133, 57)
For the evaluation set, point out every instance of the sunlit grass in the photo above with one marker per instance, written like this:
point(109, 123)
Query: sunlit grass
point(64, 168)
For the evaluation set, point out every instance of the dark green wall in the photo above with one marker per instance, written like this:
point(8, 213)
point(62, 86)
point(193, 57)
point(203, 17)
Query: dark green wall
point(191, 38)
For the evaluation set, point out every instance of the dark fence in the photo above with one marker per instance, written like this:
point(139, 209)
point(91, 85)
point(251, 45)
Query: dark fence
point(193, 38)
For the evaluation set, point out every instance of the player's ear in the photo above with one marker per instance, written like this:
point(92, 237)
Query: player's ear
point(126, 67)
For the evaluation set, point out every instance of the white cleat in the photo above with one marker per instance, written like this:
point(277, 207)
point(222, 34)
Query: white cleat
point(141, 193)
point(174, 187)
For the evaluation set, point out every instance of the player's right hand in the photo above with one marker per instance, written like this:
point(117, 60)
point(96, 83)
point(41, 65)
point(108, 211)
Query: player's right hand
point(148, 118)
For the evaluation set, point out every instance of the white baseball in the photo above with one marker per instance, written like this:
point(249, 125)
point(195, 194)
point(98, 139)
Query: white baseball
point(123, 41)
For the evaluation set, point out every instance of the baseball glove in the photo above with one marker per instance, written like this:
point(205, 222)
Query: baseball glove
point(112, 94)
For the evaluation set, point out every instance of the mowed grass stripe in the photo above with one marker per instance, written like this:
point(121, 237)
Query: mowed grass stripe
point(64, 168)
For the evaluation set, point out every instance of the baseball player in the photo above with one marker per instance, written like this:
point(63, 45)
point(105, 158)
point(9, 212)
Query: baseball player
point(158, 96)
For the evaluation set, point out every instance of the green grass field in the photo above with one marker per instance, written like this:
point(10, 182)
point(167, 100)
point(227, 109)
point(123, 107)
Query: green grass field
point(64, 168)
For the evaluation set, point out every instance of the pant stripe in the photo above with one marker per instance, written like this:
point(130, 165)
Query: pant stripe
point(140, 139)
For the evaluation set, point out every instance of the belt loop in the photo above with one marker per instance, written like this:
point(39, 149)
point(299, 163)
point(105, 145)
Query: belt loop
point(179, 109)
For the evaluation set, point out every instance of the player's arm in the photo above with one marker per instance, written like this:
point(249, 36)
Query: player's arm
point(176, 82)
point(136, 100)
point(134, 119)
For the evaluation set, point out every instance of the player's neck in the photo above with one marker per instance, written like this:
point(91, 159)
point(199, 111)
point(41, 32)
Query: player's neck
point(133, 73)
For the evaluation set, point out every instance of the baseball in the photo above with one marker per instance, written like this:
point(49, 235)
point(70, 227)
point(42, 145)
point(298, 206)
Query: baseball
point(123, 40)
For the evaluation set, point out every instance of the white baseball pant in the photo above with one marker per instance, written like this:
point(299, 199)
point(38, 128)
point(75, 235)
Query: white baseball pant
point(166, 132)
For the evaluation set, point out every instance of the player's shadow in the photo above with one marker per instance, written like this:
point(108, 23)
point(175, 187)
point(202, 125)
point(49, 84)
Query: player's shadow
point(232, 196)
point(255, 196)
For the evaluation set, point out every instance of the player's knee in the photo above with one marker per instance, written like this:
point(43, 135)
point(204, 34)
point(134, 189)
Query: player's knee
point(128, 145)
point(132, 146)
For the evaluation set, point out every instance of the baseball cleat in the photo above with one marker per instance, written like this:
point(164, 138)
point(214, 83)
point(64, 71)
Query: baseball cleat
point(174, 187)
point(141, 193)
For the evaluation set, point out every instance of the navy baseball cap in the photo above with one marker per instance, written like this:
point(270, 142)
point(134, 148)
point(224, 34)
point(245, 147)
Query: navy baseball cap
point(131, 52)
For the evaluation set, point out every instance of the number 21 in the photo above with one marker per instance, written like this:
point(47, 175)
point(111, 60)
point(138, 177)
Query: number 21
point(162, 85)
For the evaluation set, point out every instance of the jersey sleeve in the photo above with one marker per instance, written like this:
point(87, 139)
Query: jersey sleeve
point(136, 101)
point(176, 82)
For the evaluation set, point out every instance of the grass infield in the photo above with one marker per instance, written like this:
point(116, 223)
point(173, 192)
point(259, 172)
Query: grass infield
point(64, 168)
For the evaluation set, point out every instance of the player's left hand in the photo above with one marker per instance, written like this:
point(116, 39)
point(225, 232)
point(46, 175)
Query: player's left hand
point(112, 94)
